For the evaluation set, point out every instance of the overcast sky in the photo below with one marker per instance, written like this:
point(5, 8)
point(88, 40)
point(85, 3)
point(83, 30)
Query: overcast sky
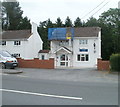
point(41, 10)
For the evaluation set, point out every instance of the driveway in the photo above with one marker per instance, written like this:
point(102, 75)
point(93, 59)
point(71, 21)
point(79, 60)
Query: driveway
point(61, 74)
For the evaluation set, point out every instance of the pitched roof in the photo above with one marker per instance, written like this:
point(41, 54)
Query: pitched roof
point(63, 33)
point(16, 34)
point(44, 51)
point(67, 49)
point(64, 48)
point(86, 32)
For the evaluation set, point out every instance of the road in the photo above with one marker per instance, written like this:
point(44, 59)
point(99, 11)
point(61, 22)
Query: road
point(21, 90)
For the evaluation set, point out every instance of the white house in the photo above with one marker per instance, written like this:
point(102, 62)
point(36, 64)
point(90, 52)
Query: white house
point(43, 54)
point(75, 47)
point(22, 43)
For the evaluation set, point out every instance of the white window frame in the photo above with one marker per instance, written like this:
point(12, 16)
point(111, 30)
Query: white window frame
point(83, 41)
point(16, 43)
point(4, 43)
point(16, 55)
point(84, 56)
point(63, 43)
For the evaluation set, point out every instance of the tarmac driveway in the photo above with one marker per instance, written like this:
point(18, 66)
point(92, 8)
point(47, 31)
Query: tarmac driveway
point(84, 74)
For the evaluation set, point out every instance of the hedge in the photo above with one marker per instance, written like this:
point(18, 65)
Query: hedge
point(115, 62)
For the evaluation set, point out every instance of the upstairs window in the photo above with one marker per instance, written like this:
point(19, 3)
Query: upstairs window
point(63, 43)
point(83, 41)
point(17, 42)
point(3, 43)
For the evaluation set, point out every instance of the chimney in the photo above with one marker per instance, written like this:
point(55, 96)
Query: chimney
point(34, 28)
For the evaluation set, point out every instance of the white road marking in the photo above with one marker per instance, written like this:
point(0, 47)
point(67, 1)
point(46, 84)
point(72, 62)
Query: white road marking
point(3, 74)
point(13, 75)
point(21, 76)
point(39, 94)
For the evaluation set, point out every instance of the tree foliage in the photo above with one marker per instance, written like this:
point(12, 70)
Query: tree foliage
point(68, 22)
point(110, 24)
point(12, 16)
point(92, 22)
point(78, 22)
point(59, 23)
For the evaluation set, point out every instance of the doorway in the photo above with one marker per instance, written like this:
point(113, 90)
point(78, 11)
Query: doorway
point(64, 60)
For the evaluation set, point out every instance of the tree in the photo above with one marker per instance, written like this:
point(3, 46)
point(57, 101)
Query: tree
point(12, 16)
point(24, 23)
point(49, 23)
point(68, 22)
point(110, 23)
point(92, 22)
point(0, 18)
point(43, 31)
point(59, 22)
point(77, 22)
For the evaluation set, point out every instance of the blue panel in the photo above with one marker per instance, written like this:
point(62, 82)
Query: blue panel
point(59, 33)
point(83, 50)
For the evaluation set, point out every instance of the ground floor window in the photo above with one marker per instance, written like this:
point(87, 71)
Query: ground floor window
point(43, 57)
point(82, 57)
point(16, 55)
point(64, 60)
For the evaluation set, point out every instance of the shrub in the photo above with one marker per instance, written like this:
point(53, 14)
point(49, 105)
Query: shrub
point(115, 62)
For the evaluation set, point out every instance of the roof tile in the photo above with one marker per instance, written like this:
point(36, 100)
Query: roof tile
point(16, 34)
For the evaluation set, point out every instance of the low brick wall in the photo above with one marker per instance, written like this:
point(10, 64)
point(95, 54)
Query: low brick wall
point(36, 63)
point(103, 65)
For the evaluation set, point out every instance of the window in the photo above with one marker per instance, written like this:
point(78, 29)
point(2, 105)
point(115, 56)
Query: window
point(62, 63)
point(5, 54)
point(3, 43)
point(83, 42)
point(62, 58)
point(17, 42)
point(16, 55)
point(78, 58)
point(63, 43)
point(82, 57)
point(43, 57)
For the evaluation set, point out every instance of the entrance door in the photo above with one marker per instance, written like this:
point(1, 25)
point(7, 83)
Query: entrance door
point(64, 60)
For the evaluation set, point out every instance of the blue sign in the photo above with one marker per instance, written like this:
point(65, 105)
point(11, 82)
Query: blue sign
point(83, 50)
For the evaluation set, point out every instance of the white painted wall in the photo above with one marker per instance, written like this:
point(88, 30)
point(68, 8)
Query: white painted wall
point(55, 45)
point(46, 56)
point(92, 56)
point(75, 48)
point(29, 48)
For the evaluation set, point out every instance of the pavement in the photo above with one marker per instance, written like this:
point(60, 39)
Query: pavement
point(11, 71)
point(63, 74)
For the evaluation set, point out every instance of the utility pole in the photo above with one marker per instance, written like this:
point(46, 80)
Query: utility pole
point(119, 4)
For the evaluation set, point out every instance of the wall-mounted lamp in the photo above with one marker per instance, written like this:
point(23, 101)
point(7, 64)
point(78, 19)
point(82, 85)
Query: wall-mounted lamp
point(94, 45)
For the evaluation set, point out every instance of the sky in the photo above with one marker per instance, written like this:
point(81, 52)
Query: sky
point(40, 10)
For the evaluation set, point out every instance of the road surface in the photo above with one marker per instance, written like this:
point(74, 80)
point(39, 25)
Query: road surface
point(22, 90)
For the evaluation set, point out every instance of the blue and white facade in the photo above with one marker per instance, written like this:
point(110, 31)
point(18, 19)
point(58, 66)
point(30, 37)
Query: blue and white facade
point(75, 47)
